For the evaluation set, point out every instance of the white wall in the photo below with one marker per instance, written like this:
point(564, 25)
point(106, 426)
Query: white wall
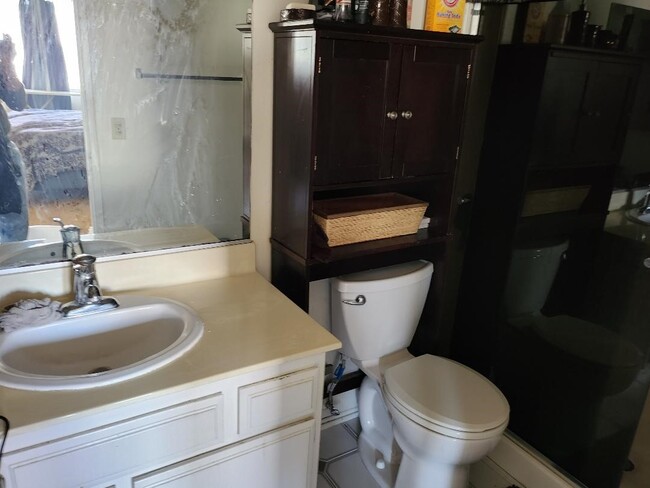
point(181, 161)
point(264, 11)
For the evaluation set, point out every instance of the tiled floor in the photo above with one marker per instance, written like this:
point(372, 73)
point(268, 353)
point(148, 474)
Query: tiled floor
point(340, 463)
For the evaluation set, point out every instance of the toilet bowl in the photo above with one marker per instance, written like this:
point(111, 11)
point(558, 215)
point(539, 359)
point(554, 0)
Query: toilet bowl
point(424, 419)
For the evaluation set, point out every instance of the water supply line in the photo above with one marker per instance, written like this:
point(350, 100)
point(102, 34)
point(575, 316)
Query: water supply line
point(338, 373)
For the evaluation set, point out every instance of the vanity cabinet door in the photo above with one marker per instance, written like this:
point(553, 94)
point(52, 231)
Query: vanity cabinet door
point(280, 459)
point(97, 457)
point(357, 110)
point(431, 105)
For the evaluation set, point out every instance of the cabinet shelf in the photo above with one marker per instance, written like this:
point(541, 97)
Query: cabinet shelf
point(381, 185)
point(327, 262)
point(327, 255)
point(369, 29)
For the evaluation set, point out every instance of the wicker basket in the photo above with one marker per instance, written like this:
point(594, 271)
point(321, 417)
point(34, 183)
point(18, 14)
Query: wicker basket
point(368, 218)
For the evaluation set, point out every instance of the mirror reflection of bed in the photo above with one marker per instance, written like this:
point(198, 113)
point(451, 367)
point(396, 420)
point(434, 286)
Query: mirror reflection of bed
point(47, 125)
point(52, 147)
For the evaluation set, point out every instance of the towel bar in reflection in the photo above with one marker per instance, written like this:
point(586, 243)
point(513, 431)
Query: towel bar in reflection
point(163, 76)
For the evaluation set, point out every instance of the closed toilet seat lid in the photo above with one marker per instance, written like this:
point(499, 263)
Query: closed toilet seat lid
point(435, 391)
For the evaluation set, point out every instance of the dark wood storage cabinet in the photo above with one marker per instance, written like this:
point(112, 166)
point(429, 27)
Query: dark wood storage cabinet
point(556, 124)
point(361, 110)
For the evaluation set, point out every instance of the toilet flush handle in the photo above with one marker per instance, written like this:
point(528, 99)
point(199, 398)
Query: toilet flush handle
point(360, 300)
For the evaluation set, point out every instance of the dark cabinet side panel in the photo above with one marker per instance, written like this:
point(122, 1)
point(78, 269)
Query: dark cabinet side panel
point(354, 135)
point(431, 105)
point(292, 122)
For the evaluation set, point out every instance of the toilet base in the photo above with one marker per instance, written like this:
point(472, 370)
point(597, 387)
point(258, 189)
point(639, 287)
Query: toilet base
point(373, 460)
point(413, 474)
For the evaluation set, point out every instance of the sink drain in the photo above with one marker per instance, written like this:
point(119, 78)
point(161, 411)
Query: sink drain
point(101, 369)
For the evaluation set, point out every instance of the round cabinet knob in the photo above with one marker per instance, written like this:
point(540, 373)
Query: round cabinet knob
point(465, 199)
point(392, 115)
point(407, 114)
point(646, 262)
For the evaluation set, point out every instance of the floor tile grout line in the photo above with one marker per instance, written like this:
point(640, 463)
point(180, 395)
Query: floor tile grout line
point(351, 431)
point(330, 480)
point(339, 456)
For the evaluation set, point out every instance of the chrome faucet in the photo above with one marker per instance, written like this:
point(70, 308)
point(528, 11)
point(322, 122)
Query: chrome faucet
point(644, 209)
point(71, 235)
point(87, 294)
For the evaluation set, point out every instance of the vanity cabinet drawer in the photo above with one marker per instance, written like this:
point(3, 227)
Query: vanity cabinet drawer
point(279, 459)
point(101, 455)
point(278, 401)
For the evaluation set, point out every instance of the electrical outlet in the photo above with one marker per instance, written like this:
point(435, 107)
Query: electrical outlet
point(118, 127)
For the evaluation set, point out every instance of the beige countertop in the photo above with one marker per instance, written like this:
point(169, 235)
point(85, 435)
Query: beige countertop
point(248, 325)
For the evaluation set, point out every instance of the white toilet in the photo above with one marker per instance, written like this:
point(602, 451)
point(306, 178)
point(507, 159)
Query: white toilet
point(424, 419)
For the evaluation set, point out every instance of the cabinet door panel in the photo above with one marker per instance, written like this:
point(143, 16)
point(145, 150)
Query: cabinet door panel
point(354, 134)
point(583, 111)
point(431, 104)
point(604, 113)
point(281, 459)
point(91, 458)
point(560, 109)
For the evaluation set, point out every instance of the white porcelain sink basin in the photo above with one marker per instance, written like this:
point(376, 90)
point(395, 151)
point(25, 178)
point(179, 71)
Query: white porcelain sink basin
point(633, 215)
point(141, 335)
point(53, 251)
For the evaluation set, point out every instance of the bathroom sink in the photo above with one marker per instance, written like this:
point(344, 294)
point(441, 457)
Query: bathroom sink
point(141, 335)
point(53, 251)
point(633, 215)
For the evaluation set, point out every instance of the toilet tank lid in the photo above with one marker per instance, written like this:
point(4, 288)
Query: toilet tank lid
point(387, 278)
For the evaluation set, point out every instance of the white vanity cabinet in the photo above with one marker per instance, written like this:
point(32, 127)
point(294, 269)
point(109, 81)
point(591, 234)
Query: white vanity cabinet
point(260, 428)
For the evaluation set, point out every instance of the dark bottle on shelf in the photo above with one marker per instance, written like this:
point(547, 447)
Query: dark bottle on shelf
point(343, 12)
point(398, 13)
point(361, 11)
point(578, 26)
point(379, 12)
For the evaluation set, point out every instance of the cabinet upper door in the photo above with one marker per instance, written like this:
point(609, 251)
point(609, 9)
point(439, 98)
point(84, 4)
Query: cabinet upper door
point(583, 111)
point(431, 104)
point(605, 113)
point(357, 90)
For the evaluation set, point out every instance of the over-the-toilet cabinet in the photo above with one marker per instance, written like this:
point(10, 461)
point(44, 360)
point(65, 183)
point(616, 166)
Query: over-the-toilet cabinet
point(362, 110)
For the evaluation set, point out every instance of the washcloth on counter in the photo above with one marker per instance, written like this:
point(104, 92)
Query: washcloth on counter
point(30, 312)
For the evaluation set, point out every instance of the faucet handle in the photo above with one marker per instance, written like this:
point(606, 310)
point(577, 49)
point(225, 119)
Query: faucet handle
point(66, 227)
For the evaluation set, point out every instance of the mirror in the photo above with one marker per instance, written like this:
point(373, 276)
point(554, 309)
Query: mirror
point(132, 128)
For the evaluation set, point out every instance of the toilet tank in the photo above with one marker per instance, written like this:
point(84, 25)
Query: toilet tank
point(385, 319)
point(531, 275)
